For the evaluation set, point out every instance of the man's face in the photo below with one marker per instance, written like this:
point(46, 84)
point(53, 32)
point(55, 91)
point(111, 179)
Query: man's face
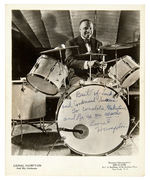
point(86, 29)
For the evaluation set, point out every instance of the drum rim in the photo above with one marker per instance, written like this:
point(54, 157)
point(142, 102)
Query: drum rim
point(37, 87)
point(56, 120)
point(102, 154)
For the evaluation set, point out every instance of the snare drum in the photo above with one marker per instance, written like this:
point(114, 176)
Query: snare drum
point(91, 120)
point(47, 75)
point(26, 102)
point(126, 71)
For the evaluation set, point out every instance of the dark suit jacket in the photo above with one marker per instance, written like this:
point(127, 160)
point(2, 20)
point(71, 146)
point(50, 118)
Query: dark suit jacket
point(74, 61)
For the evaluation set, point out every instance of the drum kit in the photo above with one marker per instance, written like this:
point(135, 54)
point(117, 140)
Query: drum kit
point(92, 118)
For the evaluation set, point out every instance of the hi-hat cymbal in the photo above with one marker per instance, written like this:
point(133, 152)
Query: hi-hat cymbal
point(58, 49)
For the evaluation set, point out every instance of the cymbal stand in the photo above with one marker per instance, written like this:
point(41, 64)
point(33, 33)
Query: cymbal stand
point(60, 61)
point(103, 59)
point(128, 95)
point(61, 68)
point(90, 69)
point(116, 57)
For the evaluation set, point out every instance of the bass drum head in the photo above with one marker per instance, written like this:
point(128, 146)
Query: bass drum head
point(42, 85)
point(99, 118)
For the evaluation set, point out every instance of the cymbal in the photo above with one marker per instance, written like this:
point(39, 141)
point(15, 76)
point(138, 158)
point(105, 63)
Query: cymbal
point(92, 54)
point(120, 46)
point(116, 47)
point(57, 49)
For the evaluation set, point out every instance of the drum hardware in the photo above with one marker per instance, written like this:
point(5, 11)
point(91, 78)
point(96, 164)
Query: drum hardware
point(51, 148)
point(81, 132)
point(82, 82)
point(103, 59)
point(90, 68)
point(121, 93)
point(129, 136)
point(15, 122)
point(68, 97)
point(63, 138)
point(128, 97)
point(133, 121)
point(52, 68)
point(36, 65)
point(71, 130)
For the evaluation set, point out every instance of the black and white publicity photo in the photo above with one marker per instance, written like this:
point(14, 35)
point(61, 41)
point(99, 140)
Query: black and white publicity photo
point(76, 84)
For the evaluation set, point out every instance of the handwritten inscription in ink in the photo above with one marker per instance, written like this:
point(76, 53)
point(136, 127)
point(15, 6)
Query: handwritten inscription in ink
point(98, 108)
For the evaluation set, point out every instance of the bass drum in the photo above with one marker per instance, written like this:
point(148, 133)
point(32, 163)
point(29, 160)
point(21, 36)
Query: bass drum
point(92, 120)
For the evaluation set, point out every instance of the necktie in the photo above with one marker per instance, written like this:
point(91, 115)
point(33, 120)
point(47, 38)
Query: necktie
point(87, 44)
point(87, 41)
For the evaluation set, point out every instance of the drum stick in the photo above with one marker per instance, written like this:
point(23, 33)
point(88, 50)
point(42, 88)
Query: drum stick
point(113, 60)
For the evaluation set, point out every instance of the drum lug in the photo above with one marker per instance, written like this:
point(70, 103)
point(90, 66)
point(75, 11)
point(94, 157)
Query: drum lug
point(44, 56)
point(121, 93)
point(63, 140)
point(81, 83)
point(65, 144)
point(68, 97)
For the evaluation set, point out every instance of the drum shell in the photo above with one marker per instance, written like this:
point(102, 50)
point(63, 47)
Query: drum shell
point(95, 143)
point(47, 75)
point(125, 71)
point(27, 103)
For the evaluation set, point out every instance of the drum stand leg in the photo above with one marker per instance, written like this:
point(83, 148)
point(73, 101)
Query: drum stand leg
point(13, 127)
point(128, 95)
point(51, 148)
point(42, 124)
point(21, 130)
point(21, 136)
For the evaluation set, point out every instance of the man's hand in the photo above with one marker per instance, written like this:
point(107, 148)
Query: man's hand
point(95, 64)
point(103, 65)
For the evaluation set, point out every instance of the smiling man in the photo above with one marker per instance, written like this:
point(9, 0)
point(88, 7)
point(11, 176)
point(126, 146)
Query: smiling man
point(78, 63)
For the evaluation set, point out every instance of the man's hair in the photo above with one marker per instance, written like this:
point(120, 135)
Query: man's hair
point(85, 20)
